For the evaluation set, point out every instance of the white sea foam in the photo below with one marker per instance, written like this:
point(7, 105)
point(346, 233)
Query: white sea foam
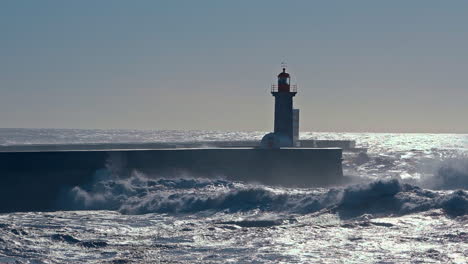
point(139, 194)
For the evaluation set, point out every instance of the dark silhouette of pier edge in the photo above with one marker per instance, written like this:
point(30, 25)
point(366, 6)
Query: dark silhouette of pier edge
point(33, 181)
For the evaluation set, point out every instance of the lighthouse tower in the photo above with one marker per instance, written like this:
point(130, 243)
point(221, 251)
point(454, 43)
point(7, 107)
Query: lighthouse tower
point(285, 128)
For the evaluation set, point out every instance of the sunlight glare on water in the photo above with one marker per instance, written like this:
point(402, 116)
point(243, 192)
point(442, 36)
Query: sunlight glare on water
point(402, 209)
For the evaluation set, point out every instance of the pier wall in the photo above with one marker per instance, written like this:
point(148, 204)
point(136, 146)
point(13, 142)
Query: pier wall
point(35, 180)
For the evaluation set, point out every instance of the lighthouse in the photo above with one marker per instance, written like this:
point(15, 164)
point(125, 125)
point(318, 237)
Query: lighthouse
point(286, 124)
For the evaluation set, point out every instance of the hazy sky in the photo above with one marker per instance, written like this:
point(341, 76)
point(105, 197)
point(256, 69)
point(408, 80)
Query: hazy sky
point(380, 66)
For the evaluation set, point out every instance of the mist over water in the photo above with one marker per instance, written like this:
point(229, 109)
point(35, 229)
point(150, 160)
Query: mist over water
point(407, 200)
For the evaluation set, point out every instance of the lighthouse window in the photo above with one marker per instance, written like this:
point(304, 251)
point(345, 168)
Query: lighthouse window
point(283, 81)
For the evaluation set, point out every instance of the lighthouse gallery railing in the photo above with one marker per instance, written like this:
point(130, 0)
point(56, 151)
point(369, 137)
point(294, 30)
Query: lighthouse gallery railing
point(292, 88)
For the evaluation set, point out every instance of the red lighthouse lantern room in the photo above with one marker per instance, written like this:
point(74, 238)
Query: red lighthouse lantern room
point(284, 81)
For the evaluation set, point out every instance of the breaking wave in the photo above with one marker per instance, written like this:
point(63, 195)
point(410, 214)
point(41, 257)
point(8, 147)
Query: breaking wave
point(139, 194)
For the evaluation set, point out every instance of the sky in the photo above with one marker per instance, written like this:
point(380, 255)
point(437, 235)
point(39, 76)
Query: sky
point(360, 66)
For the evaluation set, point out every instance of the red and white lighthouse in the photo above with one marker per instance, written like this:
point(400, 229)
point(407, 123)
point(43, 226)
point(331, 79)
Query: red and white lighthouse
point(285, 128)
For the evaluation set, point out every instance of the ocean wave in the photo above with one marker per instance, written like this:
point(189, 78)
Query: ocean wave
point(139, 194)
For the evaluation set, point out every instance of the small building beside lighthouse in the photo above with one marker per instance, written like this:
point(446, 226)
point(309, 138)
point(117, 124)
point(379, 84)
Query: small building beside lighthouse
point(286, 123)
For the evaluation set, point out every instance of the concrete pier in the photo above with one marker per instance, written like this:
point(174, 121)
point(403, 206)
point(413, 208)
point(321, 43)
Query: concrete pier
point(34, 180)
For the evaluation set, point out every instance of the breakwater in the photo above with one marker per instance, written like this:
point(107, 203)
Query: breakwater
point(35, 180)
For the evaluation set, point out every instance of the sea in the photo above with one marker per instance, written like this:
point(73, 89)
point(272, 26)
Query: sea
point(407, 203)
